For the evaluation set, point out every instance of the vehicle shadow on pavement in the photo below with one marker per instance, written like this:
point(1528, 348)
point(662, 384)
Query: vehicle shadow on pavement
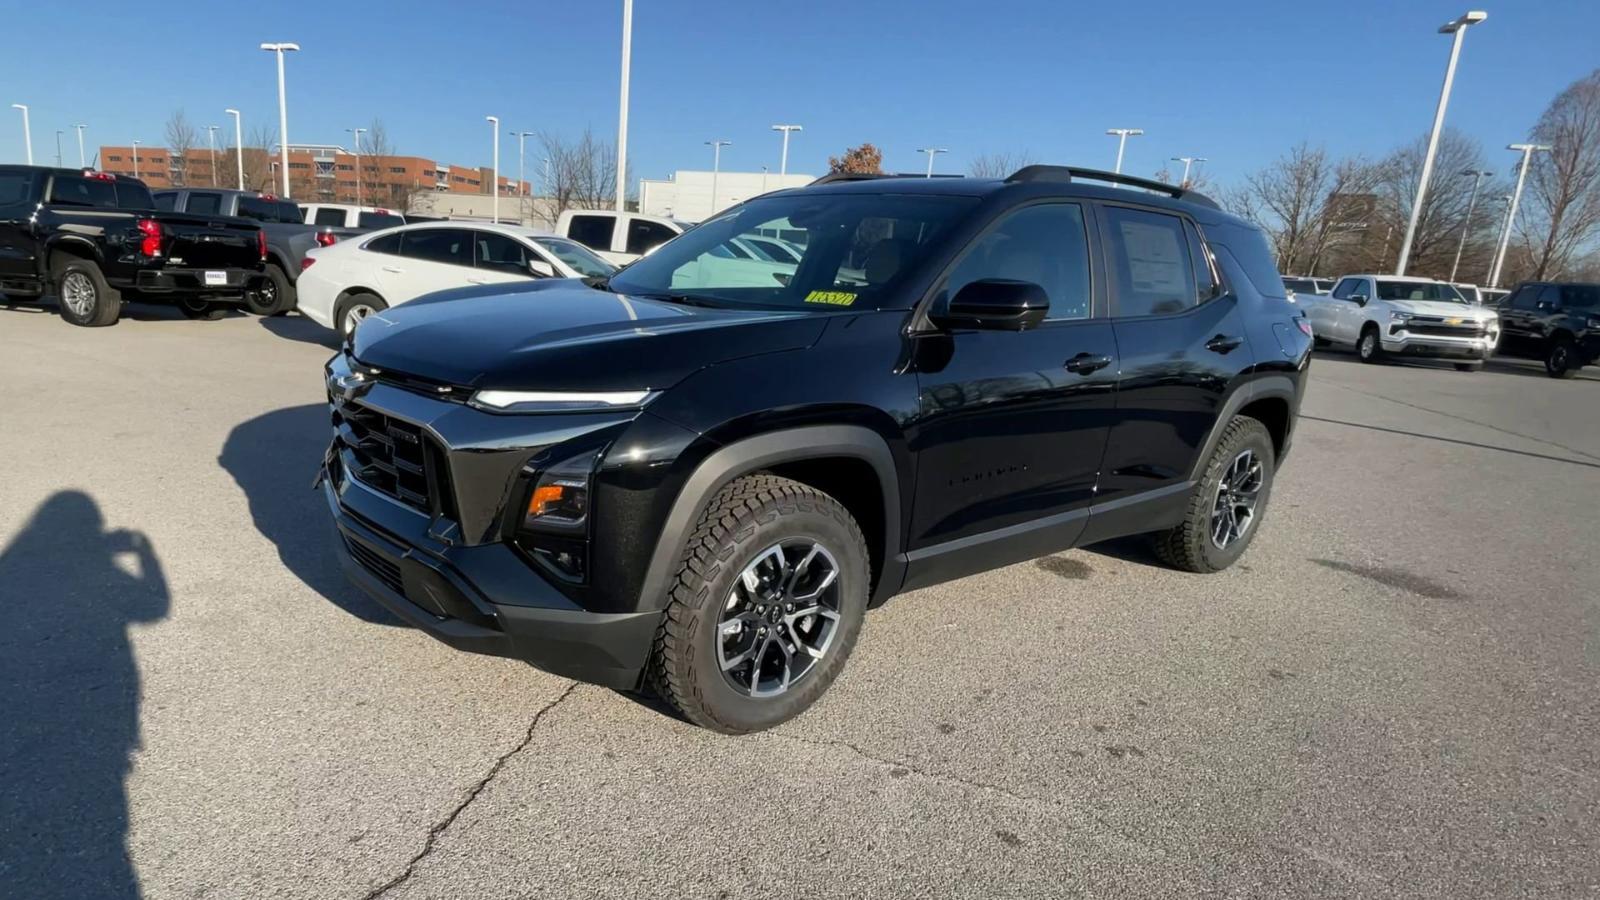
point(273, 458)
point(300, 328)
point(71, 689)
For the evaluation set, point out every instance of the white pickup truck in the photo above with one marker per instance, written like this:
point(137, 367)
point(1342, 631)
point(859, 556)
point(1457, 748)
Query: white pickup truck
point(620, 237)
point(1384, 315)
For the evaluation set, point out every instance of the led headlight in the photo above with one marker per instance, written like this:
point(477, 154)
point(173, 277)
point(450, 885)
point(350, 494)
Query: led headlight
point(560, 401)
point(1399, 318)
point(1593, 321)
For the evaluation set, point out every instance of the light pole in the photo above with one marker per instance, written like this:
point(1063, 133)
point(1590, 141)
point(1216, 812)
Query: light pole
point(58, 148)
point(763, 179)
point(494, 175)
point(1457, 28)
point(1122, 135)
point(238, 144)
point(358, 132)
point(783, 161)
point(932, 152)
point(547, 175)
point(716, 165)
point(1478, 175)
point(1187, 162)
point(27, 135)
point(283, 113)
point(136, 158)
point(82, 162)
point(211, 141)
point(622, 115)
point(1527, 151)
point(522, 192)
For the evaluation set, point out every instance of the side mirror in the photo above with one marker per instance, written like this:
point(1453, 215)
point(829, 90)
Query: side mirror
point(1545, 305)
point(995, 304)
point(1359, 299)
point(538, 268)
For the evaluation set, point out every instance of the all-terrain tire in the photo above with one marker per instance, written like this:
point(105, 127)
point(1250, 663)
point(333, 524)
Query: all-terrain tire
point(1189, 546)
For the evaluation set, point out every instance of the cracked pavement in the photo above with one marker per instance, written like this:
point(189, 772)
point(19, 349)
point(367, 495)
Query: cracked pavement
point(1392, 695)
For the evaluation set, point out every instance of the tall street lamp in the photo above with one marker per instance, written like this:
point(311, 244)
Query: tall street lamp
point(1527, 151)
point(1458, 28)
point(283, 113)
point(783, 161)
point(932, 152)
point(522, 191)
point(622, 115)
point(136, 158)
point(716, 165)
point(357, 132)
point(1122, 135)
point(494, 179)
point(238, 144)
point(58, 148)
point(211, 140)
point(1478, 175)
point(82, 161)
point(1187, 162)
point(27, 135)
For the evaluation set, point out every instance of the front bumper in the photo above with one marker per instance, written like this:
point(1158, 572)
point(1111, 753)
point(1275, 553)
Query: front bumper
point(236, 282)
point(446, 592)
point(1439, 347)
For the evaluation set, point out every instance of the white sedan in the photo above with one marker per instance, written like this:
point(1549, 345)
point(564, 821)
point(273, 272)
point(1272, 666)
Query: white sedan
point(343, 284)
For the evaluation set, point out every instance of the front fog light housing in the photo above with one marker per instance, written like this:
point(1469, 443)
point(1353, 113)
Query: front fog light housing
point(554, 526)
point(560, 401)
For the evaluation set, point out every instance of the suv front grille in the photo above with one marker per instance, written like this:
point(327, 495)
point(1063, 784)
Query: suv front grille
point(385, 570)
point(392, 456)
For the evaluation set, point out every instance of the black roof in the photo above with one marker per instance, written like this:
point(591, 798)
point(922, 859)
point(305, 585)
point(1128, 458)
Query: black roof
point(1060, 180)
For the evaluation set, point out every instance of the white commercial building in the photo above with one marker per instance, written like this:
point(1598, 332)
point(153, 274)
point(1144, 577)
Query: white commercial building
point(687, 195)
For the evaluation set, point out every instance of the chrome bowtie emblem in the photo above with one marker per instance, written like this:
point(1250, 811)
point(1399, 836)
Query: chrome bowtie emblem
point(350, 386)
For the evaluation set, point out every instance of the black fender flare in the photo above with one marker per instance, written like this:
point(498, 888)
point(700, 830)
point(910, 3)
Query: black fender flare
point(762, 451)
point(90, 249)
point(1267, 387)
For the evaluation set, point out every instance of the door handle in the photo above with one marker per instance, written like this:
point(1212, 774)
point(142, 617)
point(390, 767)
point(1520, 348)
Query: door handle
point(1224, 343)
point(392, 269)
point(1084, 363)
point(477, 281)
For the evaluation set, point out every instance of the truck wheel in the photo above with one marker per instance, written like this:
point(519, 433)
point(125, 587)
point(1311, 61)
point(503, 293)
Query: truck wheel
point(1468, 367)
point(84, 296)
point(1225, 510)
point(766, 606)
point(1369, 347)
point(202, 310)
point(275, 297)
point(1561, 359)
point(349, 312)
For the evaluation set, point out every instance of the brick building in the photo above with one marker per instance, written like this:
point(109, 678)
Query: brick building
point(317, 172)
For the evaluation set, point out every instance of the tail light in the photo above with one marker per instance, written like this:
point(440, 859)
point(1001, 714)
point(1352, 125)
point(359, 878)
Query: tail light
point(150, 243)
point(326, 239)
point(261, 244)
point(1304, 325)
point(306, 263)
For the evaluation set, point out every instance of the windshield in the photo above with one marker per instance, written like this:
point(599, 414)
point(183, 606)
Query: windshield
point(839, 250)
point(1419, 290)
point(378, 220)
point(577, 256)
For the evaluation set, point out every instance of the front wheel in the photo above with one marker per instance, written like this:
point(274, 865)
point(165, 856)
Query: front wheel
point(766, 607)
point(1468, 367)
point(350, 311)
point(1561, 359)
point(1225, 509)
point(1368, 347)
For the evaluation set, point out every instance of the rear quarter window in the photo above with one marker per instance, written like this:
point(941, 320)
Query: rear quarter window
point(1249, 248)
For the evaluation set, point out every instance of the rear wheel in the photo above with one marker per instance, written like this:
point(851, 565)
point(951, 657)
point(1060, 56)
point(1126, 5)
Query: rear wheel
point(1225, 510)
point(1468, 367)
point(766, 607)
point(349, 312)
point(84, 296)
point(276, 295)
point(1368, 347)
point(201, 309)
point(1561, 358)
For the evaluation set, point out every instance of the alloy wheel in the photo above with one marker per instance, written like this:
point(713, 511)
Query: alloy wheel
point(1234, 509)
point(1369, 345)
point(779, 619)
point(78, 293)
point(354, 315)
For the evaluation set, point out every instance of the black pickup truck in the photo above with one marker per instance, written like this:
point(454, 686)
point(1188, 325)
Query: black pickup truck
point(288, 236)
point(95, 239)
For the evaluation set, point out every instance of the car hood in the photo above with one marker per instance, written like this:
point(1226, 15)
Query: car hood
point(1441, 308)
point(564, 335)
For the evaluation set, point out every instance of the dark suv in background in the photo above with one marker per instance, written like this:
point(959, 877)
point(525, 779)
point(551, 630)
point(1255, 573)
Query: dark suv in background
point(1558, 323)
point(698, 475)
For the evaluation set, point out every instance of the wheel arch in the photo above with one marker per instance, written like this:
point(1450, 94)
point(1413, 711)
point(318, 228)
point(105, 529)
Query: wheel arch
point(1271, 400)
point(71, 246)
point(852, 463)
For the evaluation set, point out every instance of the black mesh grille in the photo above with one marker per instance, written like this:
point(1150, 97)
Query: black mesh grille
point(391, 456)
point(384, 569)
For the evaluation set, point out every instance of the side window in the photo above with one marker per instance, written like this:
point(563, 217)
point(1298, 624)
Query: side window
point(1580, 296)
point(1524, 297)
point(645, 235)
point(288, 212)
point(1344, 289)
point(75, 190)
point(593, 232)
point(1550, 297)
point(1204, 275)
point(326, 216)
point(1150, 263)
point(1044, 244)
point(204, 203)
point(496, 251)
point(452, 246)
point(389, 243)
point(255, 208)
point(167, 201)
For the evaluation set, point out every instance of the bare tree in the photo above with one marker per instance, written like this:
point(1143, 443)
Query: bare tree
point(1444, 207)
point(259, 163)
point(999, 165)
point(1286, 198)
point(180, 143)
point(583, 173)
point(380, 187)
point(1563, 190)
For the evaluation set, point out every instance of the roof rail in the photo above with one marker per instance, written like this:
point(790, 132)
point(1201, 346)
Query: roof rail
point(832, 177)
point(1074, 173)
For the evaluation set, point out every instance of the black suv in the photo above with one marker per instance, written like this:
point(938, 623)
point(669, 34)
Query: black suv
point(1558, 323)
point(697, 476)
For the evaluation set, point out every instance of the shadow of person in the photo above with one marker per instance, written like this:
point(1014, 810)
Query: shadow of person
point(273, 458)
point(69, 589)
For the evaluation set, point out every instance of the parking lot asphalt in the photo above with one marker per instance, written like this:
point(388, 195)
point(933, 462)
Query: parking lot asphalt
point(1394, 694)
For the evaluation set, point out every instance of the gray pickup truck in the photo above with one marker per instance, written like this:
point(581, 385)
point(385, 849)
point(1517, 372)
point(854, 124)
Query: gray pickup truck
point(288, 237)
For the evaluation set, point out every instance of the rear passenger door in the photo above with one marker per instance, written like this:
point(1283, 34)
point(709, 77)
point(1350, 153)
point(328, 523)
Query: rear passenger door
point(431, 259)
point(1182, 343)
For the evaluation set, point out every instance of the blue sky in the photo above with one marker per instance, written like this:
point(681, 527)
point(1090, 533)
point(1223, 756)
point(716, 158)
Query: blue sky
point(1233, 81)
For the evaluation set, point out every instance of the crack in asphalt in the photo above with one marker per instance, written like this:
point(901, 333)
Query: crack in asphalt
point(916, 770)
point(1470, 421)
point(443, 824)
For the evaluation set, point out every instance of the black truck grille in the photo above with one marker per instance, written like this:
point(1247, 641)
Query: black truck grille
point(381, 567)
point(393, 457)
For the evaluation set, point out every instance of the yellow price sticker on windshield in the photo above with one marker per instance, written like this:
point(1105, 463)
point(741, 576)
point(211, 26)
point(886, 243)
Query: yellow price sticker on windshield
point(832, 298)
